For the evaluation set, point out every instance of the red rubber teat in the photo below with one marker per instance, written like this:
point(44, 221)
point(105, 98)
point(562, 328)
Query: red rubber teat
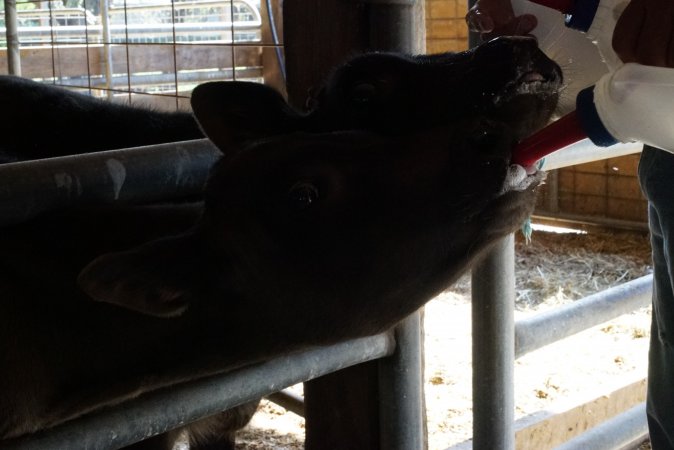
point(565, 6)
point(557, 135)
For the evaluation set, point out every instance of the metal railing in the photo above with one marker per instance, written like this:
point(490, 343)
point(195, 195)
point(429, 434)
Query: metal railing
point(159, 411)
point(498, 340)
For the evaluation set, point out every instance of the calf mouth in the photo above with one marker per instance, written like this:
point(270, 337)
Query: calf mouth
point(528, 102)
point(534, 82)
point(519, 178)
point(534, 91)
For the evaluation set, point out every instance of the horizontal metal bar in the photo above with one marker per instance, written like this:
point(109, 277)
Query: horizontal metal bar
point(288, 400)
point(157, 412)
point(550, 326)
point(623, 432)
point(566, 219)
point(585, 151)
point(141, 174)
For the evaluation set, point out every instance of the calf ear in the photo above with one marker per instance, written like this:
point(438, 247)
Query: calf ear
point(232, 112)
point(152, 279)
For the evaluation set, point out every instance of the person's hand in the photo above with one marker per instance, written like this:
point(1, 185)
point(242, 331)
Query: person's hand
point(494, 18)
point(644, 33)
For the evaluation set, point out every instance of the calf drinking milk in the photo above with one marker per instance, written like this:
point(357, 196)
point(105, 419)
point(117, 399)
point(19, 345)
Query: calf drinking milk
point(340, 231)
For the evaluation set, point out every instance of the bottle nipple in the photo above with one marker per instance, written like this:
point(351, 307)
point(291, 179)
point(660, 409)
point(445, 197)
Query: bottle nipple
point(557, 135)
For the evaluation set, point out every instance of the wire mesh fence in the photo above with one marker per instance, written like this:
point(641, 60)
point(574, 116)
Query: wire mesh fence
point(151, 52)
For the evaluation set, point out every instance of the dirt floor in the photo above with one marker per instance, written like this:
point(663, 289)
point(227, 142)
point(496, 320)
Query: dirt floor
point(555, 268)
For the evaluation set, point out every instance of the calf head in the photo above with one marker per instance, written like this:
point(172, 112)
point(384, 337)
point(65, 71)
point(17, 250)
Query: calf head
point(340, 234)
point(343, 233)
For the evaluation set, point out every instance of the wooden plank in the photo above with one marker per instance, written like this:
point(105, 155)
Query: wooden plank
point(592, 167)
point(624, 187)
point(625, 209)
point(342, 409)
point(248, 56)
point(193, 57)
point(625, 165)
point(589, 205)
point(271, 71)
point(45, 62)
point(590, 184)
point(549, 429)
point(79, 60)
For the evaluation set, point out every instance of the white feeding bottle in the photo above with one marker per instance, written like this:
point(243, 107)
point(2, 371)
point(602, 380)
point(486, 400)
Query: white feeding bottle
point(633, 103)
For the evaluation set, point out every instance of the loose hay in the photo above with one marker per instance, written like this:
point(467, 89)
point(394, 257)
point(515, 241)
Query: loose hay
point(556, 268)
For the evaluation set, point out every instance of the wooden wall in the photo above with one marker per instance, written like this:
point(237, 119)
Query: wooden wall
point(446, 28)
point(605, 189)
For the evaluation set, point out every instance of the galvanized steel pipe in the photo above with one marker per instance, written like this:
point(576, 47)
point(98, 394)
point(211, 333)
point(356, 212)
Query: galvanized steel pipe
point(397, 25)
point(625, 431)
point(493, 312)
point(157, 412)
point(401, 390)
point(550, 326)
point(142, 174)
point(288, 400)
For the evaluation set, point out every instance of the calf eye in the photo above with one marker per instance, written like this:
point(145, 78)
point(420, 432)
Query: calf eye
point(362, 95)
point(302, 195)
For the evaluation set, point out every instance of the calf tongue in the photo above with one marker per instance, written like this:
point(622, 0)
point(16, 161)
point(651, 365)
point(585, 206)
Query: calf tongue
point(557, 135)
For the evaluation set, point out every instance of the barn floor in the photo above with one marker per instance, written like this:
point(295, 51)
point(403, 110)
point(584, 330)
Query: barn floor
point(555, 268)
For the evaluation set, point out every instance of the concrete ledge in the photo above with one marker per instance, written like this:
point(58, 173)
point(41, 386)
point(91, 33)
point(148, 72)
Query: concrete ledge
point(551, 428)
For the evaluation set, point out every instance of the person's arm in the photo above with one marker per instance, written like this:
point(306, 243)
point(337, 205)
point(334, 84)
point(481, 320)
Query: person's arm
point(644, 33)
point(494, 18)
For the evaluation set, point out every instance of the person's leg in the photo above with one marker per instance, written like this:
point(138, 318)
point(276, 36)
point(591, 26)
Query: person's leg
point(656, 174)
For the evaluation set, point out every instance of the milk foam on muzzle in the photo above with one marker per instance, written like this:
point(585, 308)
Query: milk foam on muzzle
point(520, 179)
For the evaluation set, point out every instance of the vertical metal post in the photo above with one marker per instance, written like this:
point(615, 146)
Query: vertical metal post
point(317, 35)
point(107, 48)
point(493, 304)
point(493, 322)
point(12, 33)
point(397, 25)
point(401, 408)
